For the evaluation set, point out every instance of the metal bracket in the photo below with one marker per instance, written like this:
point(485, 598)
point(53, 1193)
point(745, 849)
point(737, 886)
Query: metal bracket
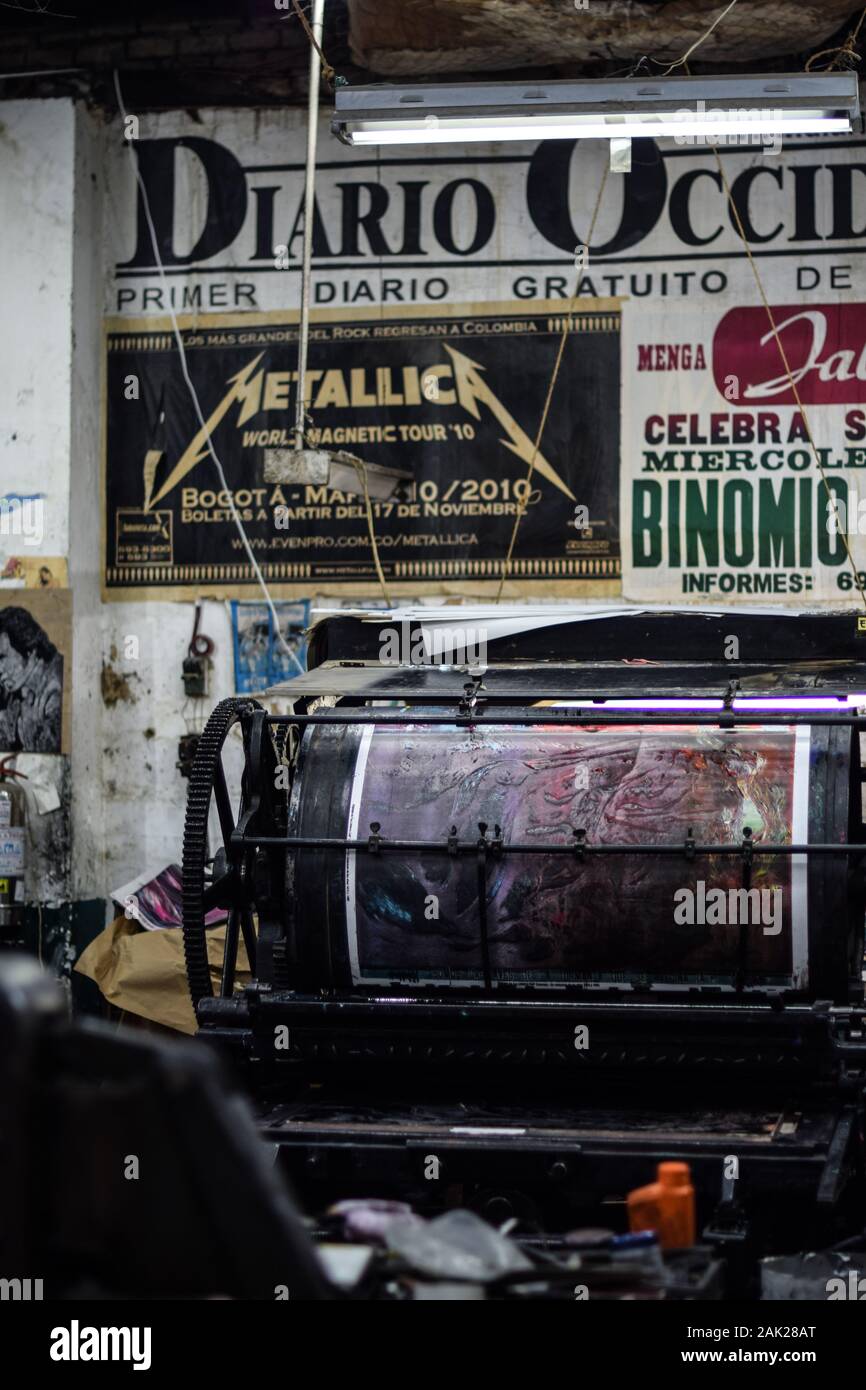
point(483, 846)
point(579, 845)
point(836, 1170)
point(690, 843)
point(453, 841)
point(748, 848)
point(469, 702)
point(374, 840)
point(727, 719)
point(728, 1225)
point(748, 851)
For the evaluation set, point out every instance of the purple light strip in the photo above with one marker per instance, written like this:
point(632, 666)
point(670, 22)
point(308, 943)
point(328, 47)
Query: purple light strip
point(795, 703)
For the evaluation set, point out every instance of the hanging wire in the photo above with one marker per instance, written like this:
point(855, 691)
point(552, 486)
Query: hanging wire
point(328, 73)
point(236, 517)
point(680, 62)
point(361, 470)
point(831, 499)
point(566, 329)
point(846, 54)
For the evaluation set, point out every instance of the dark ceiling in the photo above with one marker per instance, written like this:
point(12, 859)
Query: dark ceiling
point(250, 52)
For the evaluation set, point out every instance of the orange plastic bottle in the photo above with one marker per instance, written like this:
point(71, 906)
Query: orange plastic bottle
point(666, 1206)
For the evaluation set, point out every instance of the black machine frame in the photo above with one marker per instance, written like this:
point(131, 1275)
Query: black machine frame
point(778, 1055)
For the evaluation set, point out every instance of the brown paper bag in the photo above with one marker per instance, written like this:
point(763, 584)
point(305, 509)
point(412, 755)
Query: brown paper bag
point(143, 972)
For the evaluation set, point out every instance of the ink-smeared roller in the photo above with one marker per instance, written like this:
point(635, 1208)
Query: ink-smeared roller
point(611, 915)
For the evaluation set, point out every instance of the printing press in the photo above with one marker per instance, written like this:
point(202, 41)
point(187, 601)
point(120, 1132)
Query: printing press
point(519, 929)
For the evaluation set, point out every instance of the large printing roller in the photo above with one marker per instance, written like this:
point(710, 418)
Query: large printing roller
point(573, 888)
point(591, 820)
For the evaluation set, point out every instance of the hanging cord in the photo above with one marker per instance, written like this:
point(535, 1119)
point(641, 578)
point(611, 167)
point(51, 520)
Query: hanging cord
point(681, 62)
point(846, 55)
point(678, 62)
point(831, 498)
point(330, 76)
point(328, 73)
point(199, 643)
point(235, 514)
point(524, 500)
point(361, 470)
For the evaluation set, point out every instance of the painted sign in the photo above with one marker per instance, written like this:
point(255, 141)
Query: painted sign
point(430, 225)
point(722, 494)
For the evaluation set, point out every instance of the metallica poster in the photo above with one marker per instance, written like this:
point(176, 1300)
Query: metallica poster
point(451, 397)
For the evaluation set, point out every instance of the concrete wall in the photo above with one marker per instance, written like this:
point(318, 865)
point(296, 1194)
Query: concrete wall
point(37, 187)
point(143, 716)
point(37, 192)
point(127, 797)
point(83, 486)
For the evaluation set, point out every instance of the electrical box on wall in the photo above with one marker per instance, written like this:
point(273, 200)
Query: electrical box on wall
point(194, 676)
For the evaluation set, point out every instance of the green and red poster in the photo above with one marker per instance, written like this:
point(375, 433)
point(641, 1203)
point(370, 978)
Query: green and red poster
point(722, 494)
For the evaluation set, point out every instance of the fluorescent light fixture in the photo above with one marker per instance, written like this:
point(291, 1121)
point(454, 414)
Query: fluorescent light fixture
point(683, 108)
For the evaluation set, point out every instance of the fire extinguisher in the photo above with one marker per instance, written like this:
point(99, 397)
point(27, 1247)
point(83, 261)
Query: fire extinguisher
point(13, 855)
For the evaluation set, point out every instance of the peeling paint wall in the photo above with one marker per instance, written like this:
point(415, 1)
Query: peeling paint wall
point(37, 192)
point(83, 486)
point(122, 797)
point(144, 714)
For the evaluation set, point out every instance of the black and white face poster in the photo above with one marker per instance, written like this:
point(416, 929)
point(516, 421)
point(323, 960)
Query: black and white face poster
point(451, 396)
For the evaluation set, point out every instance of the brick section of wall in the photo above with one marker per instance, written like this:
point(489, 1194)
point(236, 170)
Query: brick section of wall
point(254, 63)
point(151, 48)
point(105, 54)
point(164, 47)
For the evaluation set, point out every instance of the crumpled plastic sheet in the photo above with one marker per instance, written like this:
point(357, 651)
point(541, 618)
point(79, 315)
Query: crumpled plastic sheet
point(457, 1245)
point(371, 1218)
point(806, 1277)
